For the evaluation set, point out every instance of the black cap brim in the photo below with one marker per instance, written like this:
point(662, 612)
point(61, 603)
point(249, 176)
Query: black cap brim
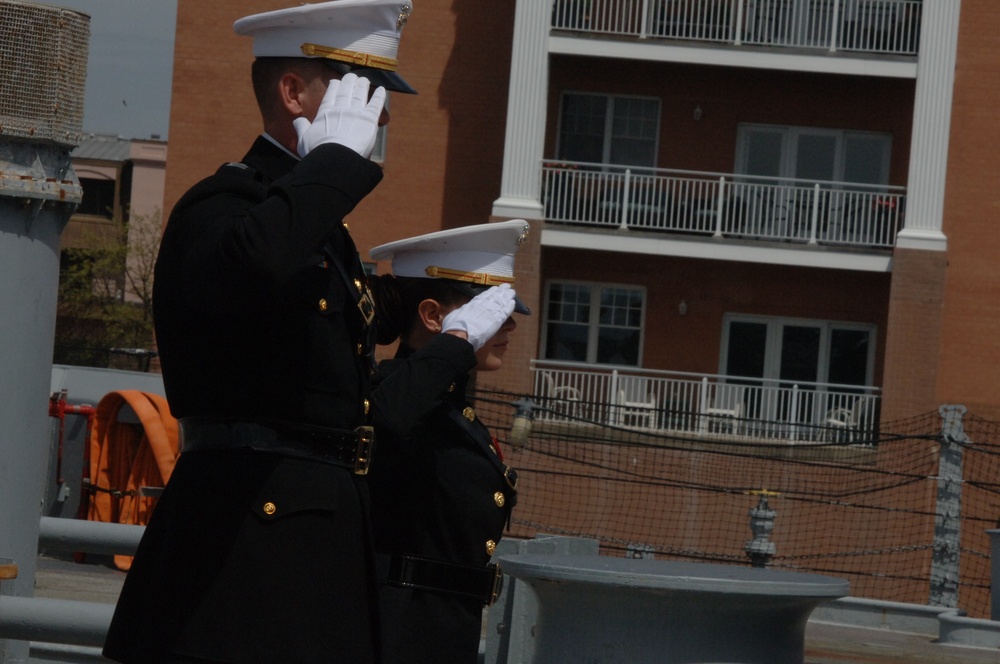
point(473, 290)
point(389, 80)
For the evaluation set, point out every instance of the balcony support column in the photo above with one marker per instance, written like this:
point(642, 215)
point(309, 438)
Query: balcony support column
point(931, 127)
point(520, 187)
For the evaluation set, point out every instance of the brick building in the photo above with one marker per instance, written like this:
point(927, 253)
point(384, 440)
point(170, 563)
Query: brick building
point(782, 211)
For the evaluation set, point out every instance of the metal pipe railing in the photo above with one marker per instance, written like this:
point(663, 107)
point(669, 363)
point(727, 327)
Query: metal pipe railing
point(61, 621)
point(70, 535)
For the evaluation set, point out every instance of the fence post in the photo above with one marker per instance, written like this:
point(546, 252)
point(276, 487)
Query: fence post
point(703, 405)
point(814, 215)
point(720, 202)
point(626, 196)
point(947, 519)
point(793, 414)
point(738, 27)
point(835, 26)
point(614, 414)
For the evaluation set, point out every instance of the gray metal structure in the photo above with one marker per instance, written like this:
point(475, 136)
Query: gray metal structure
point(608, 610)
point(43, 51)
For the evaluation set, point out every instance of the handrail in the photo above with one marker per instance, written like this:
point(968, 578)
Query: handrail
point(723, 205)
point(889, 27)
point(62, 621)
point(684, 402)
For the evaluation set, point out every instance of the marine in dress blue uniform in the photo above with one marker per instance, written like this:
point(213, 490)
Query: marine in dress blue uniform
point(441, 492)
point(259, 549)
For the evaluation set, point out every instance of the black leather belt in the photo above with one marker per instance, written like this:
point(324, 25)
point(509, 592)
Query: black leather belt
point(351, 449)
point(480, 583)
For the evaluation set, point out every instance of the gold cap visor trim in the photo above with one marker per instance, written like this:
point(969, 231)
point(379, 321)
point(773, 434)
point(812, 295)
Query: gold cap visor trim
point(351, 57)
point(471, 277)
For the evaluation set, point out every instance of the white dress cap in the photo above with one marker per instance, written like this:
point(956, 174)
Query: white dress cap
point(362, 33)
point(480, 254)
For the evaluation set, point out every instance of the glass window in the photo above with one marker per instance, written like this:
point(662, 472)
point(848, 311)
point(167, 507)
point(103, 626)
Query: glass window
point(594, 323)
point(98, 198)
point(792, 350)
point(813, 154)
point(605, 129)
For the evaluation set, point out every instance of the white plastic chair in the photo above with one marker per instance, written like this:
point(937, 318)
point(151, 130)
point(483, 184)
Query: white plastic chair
point(636, 403)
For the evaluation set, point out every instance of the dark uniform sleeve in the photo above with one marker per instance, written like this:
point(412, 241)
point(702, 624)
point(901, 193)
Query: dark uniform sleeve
point(403, 400)
point(248, 240)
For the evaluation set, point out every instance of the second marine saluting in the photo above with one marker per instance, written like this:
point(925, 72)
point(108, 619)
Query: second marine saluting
point(441, 492)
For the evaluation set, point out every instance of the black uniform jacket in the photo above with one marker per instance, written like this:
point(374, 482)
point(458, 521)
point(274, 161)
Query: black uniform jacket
point(251, 556)
point(438, 491)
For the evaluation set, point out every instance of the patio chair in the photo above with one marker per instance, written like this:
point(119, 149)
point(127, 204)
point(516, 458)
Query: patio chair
point(845, 424)
point(636, 405)
point(563, 399)
point(726, 413)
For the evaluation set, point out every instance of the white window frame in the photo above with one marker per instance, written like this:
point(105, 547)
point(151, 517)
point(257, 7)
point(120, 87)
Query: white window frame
point(594, 325)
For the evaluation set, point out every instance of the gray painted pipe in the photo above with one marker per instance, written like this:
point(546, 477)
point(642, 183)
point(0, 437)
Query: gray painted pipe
point(57, 534)
point(54, 620)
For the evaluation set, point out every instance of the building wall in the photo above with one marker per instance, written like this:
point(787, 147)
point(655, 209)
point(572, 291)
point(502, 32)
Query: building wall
point(148, 172)
point(444, 157)
point(692, 341)
point(444, 146)
point(730, 96)
point(969, 369)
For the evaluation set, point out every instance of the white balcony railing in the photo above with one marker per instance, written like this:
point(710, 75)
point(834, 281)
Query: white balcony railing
point(705, 404)
point(870, 26)
point(723, 205)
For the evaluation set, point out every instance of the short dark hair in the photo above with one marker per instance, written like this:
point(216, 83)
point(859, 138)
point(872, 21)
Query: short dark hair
point(397, 298)
point(266, 72)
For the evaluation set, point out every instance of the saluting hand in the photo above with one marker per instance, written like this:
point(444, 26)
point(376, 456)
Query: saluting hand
point(345, 116)
point(483, 315)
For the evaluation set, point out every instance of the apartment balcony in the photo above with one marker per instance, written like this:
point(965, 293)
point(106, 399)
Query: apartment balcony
point(705, 406)
point(717, 205)
point(884, 27)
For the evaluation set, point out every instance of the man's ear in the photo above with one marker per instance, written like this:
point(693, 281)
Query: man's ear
point(290, 89)
point(430, 314)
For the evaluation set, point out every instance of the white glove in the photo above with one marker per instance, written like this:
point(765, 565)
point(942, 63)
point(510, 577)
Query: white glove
point(483, 316)
point(345, 116)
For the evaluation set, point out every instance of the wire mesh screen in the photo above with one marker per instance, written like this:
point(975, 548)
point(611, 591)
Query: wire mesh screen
point(864, 512)
point(43, 70)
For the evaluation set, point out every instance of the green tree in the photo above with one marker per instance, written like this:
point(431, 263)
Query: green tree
point(105, 316)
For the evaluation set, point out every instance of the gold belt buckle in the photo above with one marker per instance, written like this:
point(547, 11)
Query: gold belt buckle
point(497, 586)
point(366, 441)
